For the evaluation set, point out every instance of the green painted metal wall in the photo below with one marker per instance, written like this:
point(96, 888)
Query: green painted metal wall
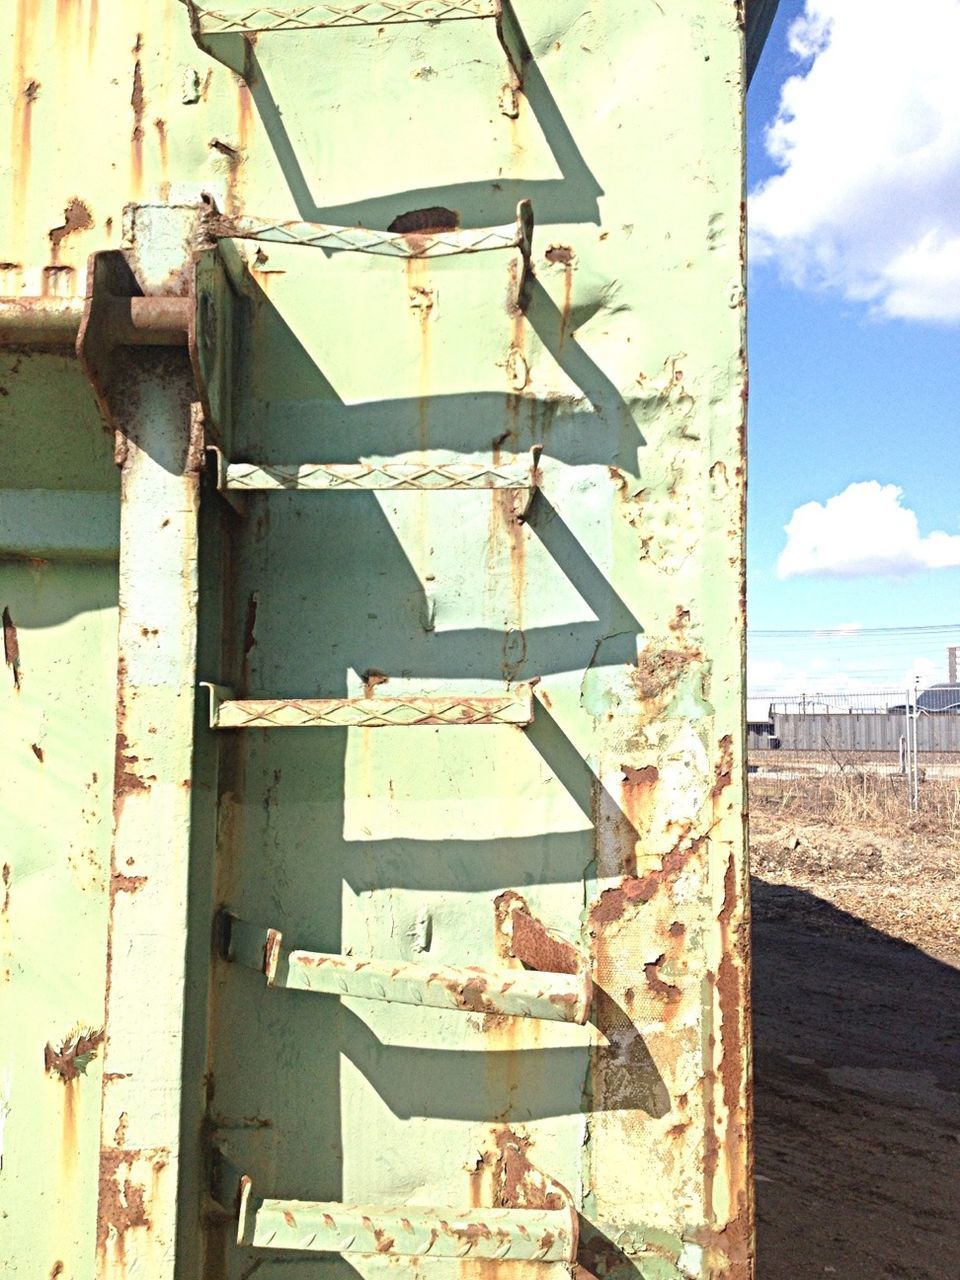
point(616, 815)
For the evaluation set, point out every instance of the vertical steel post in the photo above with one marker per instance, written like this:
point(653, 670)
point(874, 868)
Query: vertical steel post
point(148, 877)
point(147, 397)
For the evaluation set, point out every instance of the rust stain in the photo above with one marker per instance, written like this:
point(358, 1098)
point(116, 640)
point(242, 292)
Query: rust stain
point(424, 223)
point(518, 1184)
point(667, 990)
point(11, 647)
point(122, 1204)
point(271, 951)
point(138, 103)
point(92, 28)
point(163, 144)
point(723, 769)
point(371, 679)
point(126, 779)
point(74, 1055)
point(56, 281)
point(68, 1136)
point(234, 159)
point(76, 217)
point(613, 903)
point(733, 1241)
point(560, 253)
point(537, 948)
point(638, 795)
point(6, 889)
point(657, 673)
point(120, 883)
point(56, 1270)
point(37, 751)
point(25, 91)
point(422, 300)
point(563, 255)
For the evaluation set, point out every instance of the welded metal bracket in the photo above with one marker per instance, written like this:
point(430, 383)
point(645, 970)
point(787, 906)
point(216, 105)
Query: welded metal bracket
point(212, 340)
point(116, 315)
point(195, 312)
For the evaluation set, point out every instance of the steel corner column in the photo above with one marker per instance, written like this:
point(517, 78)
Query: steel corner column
point(147, 396)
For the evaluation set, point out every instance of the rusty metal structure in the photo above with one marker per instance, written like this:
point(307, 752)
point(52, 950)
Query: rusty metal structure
point(366, 367)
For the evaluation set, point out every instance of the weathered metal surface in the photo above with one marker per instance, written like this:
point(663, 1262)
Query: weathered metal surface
point(391, 476)
point(254, 19)
point(148, 402)
point(554, 997)
point(503, 1235)
point(616, 810)
point(411, 244)
point(513, 708)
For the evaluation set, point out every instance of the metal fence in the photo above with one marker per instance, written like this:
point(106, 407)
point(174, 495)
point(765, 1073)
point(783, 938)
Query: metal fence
point(865, 750)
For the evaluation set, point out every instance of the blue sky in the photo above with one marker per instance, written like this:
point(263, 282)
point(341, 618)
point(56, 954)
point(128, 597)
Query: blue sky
point(854, 326)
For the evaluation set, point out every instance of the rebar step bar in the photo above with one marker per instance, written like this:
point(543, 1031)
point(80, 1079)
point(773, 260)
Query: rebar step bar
point(513, 472)
point(563, 996)
point(411, 1231)
point(512, 708)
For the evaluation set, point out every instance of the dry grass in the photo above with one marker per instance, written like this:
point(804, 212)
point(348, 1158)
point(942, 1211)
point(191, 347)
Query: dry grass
point(848, 837)
point(858, 792)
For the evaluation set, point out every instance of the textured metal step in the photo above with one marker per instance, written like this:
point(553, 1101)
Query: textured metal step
point(514, 472)
point(563, 996)
point(255, 19)
point(432, 242)
point(412, 1231)
point(512, 708)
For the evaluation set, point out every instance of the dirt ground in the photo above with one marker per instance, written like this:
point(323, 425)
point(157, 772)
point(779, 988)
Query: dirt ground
point(857, 1044)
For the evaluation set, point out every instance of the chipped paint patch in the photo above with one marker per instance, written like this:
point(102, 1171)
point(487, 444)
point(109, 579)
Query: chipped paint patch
point(74, 1055)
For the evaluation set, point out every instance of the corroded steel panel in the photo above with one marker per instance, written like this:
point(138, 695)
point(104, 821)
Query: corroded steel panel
point(581, 631)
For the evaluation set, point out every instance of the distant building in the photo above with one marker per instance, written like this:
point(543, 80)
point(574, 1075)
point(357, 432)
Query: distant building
point(760, 727)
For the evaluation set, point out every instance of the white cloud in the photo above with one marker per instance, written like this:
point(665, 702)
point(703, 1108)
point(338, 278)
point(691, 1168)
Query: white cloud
point(867, 140)
point(864, 530)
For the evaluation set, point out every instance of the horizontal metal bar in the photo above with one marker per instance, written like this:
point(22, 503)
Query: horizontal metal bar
point(513, 708)
point(254, 19)
point(318, 477)
point(412, 1231)
point(55, 322)
point(518, 993)
point(40, 322)
point(409, 244)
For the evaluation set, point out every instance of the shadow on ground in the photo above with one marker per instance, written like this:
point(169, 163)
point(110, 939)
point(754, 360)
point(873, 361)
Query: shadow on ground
point(857, 1039)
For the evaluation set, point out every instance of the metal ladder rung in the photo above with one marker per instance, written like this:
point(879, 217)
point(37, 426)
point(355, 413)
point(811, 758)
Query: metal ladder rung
point(411, 1231)
point(430, 243)
point(513, 708)
point(520, 993)
point(515, 472)
point(211, 20)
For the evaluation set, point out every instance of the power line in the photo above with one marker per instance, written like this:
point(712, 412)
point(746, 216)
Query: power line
point(855, 633)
